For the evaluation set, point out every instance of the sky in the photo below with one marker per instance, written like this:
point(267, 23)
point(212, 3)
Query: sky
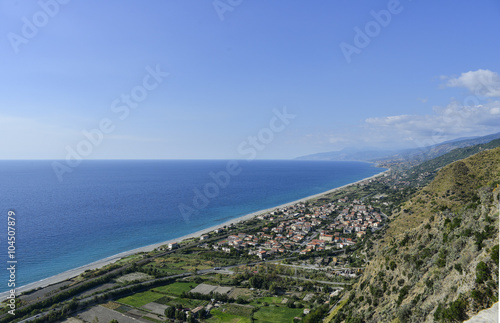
point(241, 79)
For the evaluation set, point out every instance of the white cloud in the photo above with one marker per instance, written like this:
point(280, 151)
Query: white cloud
point(480, 82)
point(453, 121)
point(413, 131)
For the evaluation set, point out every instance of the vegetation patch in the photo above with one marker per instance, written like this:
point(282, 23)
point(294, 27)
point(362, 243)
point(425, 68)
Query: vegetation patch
point(176, 288)
point(219, 316)
point(140, 299)
point(277, 314)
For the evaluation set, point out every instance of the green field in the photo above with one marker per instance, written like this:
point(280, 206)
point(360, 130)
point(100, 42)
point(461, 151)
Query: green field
point(186, 302)
point(277, 314)
point(176, 288)
point(140, 299)
point(219, 316)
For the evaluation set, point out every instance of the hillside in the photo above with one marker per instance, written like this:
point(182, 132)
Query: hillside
point(438, 260)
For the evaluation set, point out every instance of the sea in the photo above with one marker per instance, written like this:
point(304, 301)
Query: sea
point(100, 208)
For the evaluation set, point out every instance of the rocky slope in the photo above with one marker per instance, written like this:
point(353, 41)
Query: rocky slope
point(438, 260)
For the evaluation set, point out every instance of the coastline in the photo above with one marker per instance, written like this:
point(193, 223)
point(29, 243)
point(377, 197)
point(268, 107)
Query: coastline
point(108, 260)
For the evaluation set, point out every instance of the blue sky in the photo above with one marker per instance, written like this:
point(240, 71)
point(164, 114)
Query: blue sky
point(424, 72)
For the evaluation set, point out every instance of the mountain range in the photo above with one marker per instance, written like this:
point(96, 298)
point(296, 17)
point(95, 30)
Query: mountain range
point(411, 154)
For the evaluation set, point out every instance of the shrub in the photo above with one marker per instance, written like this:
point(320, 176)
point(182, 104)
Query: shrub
point(494, 254)
point(403, 292)
point(441, 261)
point(455, 312)
point(482, 272)
point(404, 313)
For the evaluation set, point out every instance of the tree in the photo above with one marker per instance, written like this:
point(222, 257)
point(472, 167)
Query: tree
point(170, 312)
point(273, 288)
point(191, 319)
point(180, 315)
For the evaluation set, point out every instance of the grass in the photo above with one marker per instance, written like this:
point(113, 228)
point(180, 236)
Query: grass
point(269, 300)
point(219, 316)
point(176, 288)
point(277, 314)
point(242, 310)
point(140, 299)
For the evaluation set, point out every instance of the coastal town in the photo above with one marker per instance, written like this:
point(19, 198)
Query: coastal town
point(302, 229)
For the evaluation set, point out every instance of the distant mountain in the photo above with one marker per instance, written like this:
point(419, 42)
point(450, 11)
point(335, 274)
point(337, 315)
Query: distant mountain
point(427, 169)
point(428, 153)
point(415, 155)
point(351, 154)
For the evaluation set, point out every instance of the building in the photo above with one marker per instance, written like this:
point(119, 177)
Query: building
point(326, 237)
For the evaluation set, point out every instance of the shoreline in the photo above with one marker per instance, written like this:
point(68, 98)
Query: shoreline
point(69, 274)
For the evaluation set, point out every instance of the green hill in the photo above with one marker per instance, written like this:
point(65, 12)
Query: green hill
point(438, 260)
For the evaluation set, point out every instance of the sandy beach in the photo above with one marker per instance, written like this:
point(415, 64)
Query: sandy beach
point(100, 263)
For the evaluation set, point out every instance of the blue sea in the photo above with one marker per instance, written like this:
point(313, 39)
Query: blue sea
point(104, 207)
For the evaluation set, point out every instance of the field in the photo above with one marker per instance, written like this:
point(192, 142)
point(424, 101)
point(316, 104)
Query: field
point(219, 316)
point(232, 313)
point(244, 293)
point(187, 302)
point(277, 314)
point(159, 294)
point(139, 299)
point(269, 300)
point(176, 288)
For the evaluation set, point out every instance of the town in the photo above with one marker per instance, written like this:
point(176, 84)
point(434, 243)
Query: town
point(302, 229)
